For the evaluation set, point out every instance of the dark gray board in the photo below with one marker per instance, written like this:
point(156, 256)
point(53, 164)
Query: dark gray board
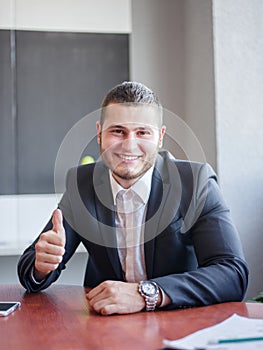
point(60, 78)
point(7, 122)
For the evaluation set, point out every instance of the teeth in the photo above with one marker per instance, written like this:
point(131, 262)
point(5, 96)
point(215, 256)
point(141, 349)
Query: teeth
point(128, 157)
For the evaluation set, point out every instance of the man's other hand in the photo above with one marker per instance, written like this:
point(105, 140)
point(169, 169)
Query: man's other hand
point(115, 297)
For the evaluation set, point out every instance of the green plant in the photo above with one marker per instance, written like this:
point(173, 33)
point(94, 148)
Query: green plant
point(258, 298)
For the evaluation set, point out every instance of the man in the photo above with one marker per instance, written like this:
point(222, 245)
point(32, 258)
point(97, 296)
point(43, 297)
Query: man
point(157, 230)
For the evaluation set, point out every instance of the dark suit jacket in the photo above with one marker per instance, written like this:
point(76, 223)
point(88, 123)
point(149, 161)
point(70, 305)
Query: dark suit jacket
point(192, 249)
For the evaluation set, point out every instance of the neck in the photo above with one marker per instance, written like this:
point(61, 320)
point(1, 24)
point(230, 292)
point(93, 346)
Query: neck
point(123, 182)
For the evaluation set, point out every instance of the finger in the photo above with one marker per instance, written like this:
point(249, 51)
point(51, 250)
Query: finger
point(50, 239)
point(102, 296)
point(57, 221)
point(109, 307)
point(98, 290)
point(114, 309)
point(55, 248)
point(47, 262)
point(44, 267)
point(49, 258)
point(102, 305)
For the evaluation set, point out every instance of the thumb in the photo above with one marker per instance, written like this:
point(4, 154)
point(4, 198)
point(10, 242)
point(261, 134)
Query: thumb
point(57, 221)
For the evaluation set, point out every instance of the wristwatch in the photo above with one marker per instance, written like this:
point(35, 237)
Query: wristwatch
point(150, 291)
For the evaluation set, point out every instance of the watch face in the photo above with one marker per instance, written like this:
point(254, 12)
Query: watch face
point(149, 288)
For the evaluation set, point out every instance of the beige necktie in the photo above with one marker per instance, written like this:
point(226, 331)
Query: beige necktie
point(130, 211)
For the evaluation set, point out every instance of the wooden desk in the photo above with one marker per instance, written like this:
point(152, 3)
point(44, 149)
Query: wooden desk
point(58, 318)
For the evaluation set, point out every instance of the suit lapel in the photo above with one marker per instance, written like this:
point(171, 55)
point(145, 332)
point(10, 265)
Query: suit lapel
point(106, 219)
point(158, 195)
point(150, 235)
point(163, 206)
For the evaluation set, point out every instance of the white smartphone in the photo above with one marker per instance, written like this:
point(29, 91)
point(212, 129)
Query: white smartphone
point(6, 307)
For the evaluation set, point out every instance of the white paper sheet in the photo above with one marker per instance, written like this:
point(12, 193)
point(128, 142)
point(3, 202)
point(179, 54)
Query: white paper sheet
point(233, 327)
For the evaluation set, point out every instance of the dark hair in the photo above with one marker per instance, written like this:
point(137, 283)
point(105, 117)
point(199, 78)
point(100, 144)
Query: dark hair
point(130, 92)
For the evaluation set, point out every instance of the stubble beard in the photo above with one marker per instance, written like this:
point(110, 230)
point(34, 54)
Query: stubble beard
point(127, 173)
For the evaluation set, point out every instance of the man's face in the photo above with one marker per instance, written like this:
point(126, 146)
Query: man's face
point(129, 140)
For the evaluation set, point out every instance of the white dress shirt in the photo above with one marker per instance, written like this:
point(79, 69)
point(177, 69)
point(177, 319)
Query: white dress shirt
point(131, 205)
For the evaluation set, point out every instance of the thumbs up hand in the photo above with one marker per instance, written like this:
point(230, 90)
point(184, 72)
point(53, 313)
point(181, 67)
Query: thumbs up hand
point(50, 248)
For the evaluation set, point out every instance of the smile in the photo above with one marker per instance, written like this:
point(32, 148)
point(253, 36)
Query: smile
point(125, 157)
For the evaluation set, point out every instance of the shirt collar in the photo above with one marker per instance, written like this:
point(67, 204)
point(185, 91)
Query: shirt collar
point(142, 187)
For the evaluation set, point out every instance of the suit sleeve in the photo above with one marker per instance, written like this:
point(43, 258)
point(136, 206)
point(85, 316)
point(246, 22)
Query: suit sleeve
point(222, 273)
point(27, 260)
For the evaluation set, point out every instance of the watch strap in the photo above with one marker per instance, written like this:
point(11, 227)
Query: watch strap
point(150, 301)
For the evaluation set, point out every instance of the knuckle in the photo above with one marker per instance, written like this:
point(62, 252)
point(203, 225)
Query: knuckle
point(59, 259)
point(43, 236)
point(39, 246)
point(106, 284)
point(60, 240)
point(108, 310)
point(53, 267)
point(109, 284)
point(104, 310)
point(95, 306)
point(112, 290)
point(59, 254)
point(113, 294)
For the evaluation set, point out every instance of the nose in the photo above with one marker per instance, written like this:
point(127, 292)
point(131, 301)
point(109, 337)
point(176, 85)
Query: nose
point(130, 142)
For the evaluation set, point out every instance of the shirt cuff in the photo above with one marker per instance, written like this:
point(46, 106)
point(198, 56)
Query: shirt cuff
point(32, 276)
point(165, 299)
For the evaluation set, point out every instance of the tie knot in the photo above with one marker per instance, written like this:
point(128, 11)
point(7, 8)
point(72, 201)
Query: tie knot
point(128, 201)
point(124, 195)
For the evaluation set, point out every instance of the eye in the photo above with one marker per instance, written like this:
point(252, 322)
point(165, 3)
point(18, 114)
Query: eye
point(117, 131)
point(144, 133)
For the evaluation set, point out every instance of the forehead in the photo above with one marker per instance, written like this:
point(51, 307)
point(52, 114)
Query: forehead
point(126, 114)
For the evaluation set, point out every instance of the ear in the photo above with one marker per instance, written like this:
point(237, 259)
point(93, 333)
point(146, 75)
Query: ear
point(98, 128)
point(162, 133)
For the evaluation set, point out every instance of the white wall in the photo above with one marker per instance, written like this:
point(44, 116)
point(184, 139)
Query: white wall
point(172, 52)
point(157, 49)
point(199, 99)
point(238, 40)
point(100, 16)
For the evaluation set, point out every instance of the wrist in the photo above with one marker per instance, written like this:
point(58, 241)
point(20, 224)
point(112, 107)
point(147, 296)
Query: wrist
point(160, 298)
point(150, 292)
point(37, 275)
